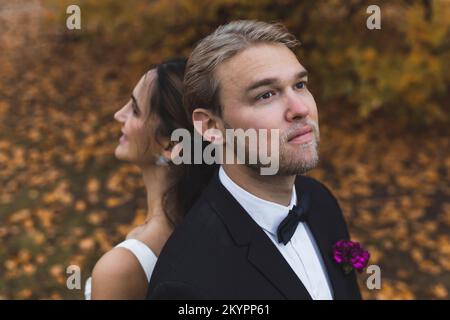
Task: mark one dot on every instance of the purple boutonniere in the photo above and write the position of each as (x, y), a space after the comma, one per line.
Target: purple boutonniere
(350, 255)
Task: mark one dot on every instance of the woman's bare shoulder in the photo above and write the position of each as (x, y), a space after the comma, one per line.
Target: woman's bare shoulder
(118, 275)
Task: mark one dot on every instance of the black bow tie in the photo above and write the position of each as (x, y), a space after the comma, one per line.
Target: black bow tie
(297, 214)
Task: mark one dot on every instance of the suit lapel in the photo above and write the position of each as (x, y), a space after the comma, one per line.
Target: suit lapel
(262, 253)
(325, 247)
(325, 234)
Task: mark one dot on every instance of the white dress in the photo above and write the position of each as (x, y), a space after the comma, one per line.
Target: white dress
(143, 253)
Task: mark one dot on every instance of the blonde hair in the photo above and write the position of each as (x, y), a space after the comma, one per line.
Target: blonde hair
(201, 88)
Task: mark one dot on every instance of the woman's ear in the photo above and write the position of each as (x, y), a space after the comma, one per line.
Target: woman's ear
(172, 150)
(207, 124)
(166, 154)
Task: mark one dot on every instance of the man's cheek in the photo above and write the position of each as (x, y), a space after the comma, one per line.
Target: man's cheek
(313, 109)
(258, 120)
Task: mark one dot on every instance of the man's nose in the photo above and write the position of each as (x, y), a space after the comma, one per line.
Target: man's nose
(297, 108)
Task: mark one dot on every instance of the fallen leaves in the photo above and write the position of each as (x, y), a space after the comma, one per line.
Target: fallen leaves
(86, 245)
(46, 218)
(395, 291)
(439, 291)
(96, 218)
(80, 206)
(59, 194)
(93, 185)
(402, 211)
(65, 200)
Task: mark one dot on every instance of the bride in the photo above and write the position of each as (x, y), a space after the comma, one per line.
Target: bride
(148, 119)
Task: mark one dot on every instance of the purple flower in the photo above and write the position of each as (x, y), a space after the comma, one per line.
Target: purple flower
(350, 255)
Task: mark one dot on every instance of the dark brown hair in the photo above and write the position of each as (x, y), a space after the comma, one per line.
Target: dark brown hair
(187, 180)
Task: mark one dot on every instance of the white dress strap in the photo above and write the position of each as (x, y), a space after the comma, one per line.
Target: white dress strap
(142, 252)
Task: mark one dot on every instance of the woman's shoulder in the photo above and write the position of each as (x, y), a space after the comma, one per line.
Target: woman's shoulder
(125, 270)
(116, 261)
(118, 275)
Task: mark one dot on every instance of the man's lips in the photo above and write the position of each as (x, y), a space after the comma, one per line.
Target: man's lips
(302, 135)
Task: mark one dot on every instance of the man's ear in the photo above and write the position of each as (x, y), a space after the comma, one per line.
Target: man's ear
(208, 125)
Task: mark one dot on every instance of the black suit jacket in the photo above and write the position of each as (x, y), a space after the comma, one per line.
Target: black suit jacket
(219, 252)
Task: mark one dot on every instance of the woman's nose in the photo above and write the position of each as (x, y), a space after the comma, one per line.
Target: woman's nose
(119, 115)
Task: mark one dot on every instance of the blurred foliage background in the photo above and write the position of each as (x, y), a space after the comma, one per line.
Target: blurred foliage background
(383, 98)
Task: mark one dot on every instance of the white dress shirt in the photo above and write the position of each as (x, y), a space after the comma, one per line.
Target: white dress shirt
(300, 252)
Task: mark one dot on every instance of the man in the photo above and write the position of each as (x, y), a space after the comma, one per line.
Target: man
(244, 239)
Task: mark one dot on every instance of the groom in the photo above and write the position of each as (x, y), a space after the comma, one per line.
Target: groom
(253, 236)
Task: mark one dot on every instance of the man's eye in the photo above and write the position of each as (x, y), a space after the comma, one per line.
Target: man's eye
(301, 85)
(265, 96)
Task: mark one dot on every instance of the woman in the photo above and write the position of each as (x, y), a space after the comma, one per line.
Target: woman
(148, 119)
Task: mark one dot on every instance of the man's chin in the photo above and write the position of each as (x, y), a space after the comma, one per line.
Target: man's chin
(299, 163)
(297, 168)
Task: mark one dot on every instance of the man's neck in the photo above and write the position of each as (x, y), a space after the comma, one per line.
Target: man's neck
(274, 188)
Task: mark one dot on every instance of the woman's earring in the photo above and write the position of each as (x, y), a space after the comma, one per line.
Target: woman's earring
(162, 161)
